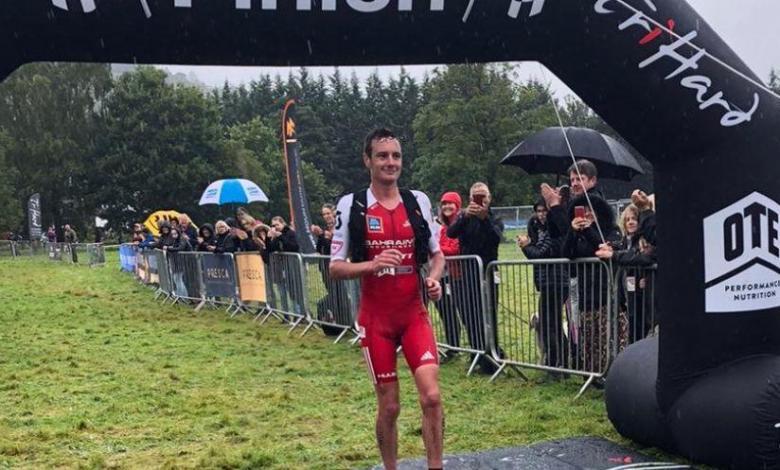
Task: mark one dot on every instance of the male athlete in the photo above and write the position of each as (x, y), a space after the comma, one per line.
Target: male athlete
(386, 234)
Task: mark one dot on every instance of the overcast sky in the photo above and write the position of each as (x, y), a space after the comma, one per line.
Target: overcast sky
(750, 27)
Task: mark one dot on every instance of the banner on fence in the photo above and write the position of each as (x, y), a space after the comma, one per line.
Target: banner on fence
(251, 278)
(219, 275)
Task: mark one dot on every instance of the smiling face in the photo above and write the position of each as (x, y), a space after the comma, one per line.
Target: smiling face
(385, 161)
(448, 209)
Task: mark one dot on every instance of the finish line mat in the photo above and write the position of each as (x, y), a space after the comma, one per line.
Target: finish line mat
(581, 453)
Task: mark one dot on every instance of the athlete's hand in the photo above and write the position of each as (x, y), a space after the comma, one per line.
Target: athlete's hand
(386, 259)
(434, 289)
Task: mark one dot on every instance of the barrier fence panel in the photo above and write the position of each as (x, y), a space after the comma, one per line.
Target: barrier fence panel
(6, 249)
(38, 248)
(554, 315)
(96, 254)
(142, 269)
(165, 287)
(22, 248)
(635, 298)
(332, 304)
(252, 282)
(55, 251)
(287, 293)
(218, 272)
(458, 317)
(187, 281)
(127, 256)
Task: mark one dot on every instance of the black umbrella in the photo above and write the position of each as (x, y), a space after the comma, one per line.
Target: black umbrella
(547, 152)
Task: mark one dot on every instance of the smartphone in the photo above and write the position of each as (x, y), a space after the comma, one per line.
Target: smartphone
(479, 199)
(579, 212)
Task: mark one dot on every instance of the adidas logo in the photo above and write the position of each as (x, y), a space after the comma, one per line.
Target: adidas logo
(427, 356)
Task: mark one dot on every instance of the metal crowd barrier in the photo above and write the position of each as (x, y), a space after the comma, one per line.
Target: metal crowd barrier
(287, 293)
(6, 249)
(96, 254)
(635, 298)
(331, 305)
(186, 278)
(458, 317)
(554, 315)
(218, 277)
(142, 272)
(165, 285)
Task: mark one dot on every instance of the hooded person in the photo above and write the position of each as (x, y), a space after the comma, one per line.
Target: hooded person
(452, 296)
(207, 240)
(165, 239)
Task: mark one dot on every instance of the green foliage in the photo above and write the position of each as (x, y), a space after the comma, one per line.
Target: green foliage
(473, 115)
(163, 145)
(52, 113)
(256, 148)
(11, 212)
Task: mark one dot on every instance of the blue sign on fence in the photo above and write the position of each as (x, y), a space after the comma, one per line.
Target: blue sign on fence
(219, 275)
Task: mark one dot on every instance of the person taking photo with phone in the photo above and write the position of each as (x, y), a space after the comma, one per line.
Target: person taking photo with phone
(479, 233)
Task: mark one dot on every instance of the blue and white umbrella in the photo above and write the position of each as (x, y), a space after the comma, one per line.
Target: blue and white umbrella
(232, 191)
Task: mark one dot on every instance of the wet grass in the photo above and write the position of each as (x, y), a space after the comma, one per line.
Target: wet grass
(95, 374)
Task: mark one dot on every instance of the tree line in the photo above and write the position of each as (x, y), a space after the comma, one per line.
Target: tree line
(120, 147)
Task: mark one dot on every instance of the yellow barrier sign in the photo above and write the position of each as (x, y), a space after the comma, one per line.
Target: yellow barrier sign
(251, 277)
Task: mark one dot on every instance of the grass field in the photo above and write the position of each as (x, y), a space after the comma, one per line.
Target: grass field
(95, 374)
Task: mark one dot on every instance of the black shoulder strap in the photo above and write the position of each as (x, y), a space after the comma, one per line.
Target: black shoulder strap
(422, 232)
(357, 226)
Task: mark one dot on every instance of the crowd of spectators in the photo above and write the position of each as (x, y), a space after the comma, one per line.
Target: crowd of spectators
(573, 221)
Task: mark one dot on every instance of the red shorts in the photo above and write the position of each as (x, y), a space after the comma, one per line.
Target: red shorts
(380, 342)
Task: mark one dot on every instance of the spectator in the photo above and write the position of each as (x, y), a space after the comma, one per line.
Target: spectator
(51, 234)
(479, 233)
(225, 242)
(591, 292)
(281, 237)
(538, 221)
(449, 305)
(583, 178)
(244, 234)
(260, 238)
(636, 255)
(552, 282)
(70, 235)
(187, 229)
(138, 235)
(206, 239)
(148, 241)
(325, 234)
(335, 302)
(180, 243)
(165, 239)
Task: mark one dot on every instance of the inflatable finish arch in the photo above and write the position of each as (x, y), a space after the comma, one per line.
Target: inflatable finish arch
(711, 134)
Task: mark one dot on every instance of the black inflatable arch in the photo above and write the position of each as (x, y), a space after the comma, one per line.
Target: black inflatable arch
(712, 135)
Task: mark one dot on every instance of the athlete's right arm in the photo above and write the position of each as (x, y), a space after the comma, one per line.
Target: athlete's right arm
(339, 249)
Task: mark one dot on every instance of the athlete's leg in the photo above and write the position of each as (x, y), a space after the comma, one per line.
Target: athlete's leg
(419, 346)
(426, 377)
(380, 356)
(386, 419)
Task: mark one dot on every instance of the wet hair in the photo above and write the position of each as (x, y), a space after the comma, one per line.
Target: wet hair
(586, 168)
(278, 218)
(329, 206)
(381, 133)
(540, 203)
